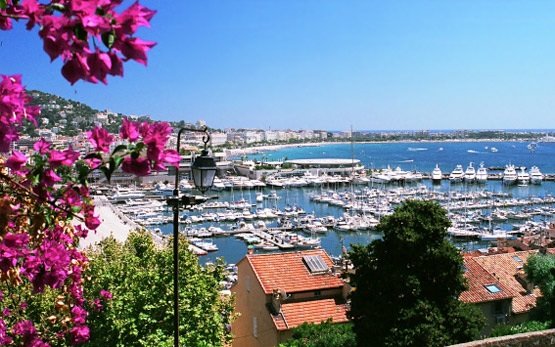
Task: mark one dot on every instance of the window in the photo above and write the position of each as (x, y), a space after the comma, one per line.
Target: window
(254, 327)
(317, 293)
(517, 258)
(492, 288)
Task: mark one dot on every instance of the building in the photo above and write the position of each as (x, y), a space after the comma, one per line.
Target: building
(279, 291)
(498, 285)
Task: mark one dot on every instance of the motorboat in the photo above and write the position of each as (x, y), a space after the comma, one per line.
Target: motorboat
(522, 177)
(457, 174)
(509, 175)
(470, 173)
(437, 175)
(482, 174)
(536, 177)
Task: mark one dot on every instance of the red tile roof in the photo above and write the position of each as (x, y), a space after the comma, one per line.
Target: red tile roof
(504, 267)
(287, 271)
(478, 278)
(316, 311)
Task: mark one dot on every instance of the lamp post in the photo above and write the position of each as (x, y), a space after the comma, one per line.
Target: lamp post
(203, 171)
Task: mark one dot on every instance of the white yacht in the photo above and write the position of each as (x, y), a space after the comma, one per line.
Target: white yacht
(470, 174)
(522, 177)
(437, 175)
(509, 175)
(482, 174)
(457, 175)
(536, 177)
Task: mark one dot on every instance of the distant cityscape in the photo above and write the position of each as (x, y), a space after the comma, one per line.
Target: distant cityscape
(63, 121)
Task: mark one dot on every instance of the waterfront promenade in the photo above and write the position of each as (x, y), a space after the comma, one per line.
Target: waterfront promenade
(113, 223)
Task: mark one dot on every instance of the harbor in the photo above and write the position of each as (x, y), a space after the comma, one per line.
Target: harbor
(304, 207)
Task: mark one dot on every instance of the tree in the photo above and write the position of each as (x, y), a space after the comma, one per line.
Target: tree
(540, 270)
(43, 191)
(138, 274)
(325, 334)
(406, 285)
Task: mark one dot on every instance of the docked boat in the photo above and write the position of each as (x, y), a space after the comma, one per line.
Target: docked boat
(470, 174)
(482, 174)
(522, 177)
(536, 177)
(509, 175)
(437, 175)
(457, 174)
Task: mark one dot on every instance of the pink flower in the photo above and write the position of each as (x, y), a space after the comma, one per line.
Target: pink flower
(129, 130)
(138, 166)
(50, 177)
(77, 68)
(16, 161)
(42, 146)
(25, 327)
(134, 17)
(135, 49)
(80, 334)
(106, 294)
(100, 138)
(79, 315)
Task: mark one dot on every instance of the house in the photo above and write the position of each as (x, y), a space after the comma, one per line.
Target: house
(485, 291)
(498, 285)
(277, 292)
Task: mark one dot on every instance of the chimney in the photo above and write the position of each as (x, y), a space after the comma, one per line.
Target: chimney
(276, 300)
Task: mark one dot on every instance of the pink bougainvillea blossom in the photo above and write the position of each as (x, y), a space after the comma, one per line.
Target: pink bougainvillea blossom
(129, 130)
(100, 139)
(16, 161)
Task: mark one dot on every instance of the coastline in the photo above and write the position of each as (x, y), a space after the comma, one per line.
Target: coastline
(256, 149)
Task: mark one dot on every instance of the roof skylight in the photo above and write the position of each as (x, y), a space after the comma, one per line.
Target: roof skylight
(492, 288)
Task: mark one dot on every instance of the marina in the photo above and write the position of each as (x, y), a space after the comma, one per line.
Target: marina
(299, 210)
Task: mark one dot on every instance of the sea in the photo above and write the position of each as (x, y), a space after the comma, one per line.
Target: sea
(409, 156)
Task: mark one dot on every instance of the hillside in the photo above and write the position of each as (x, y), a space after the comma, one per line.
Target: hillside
(68, 117)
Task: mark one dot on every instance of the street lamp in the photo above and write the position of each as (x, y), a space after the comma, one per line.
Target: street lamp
(203, 171)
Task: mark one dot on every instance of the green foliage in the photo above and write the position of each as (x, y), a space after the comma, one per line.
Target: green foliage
(540, 270)
(502, 330)
(325, 334)
(407, 284)
(139, 275)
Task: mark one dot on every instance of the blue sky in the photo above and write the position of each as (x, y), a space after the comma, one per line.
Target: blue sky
(323, 64)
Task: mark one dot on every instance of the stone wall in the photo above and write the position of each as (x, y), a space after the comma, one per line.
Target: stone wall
(536, 338)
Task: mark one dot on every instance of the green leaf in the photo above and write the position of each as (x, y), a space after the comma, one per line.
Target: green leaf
(108, 39)
(119, 148)
(3, 4)
(107, 173)
(80, 32)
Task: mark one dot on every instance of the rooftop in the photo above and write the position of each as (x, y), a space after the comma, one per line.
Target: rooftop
(287, 271)
(504, 267)
(315, 311)
(479, 280)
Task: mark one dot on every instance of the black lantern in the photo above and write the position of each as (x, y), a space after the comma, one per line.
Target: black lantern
(203, 171)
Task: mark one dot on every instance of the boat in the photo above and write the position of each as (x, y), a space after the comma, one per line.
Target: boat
(437, 175)
(509, 175)
(482, 174)
(457, 174)
(532, 146)
(470, 173)
(536, 177)
(494, 150)
(522, 177)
